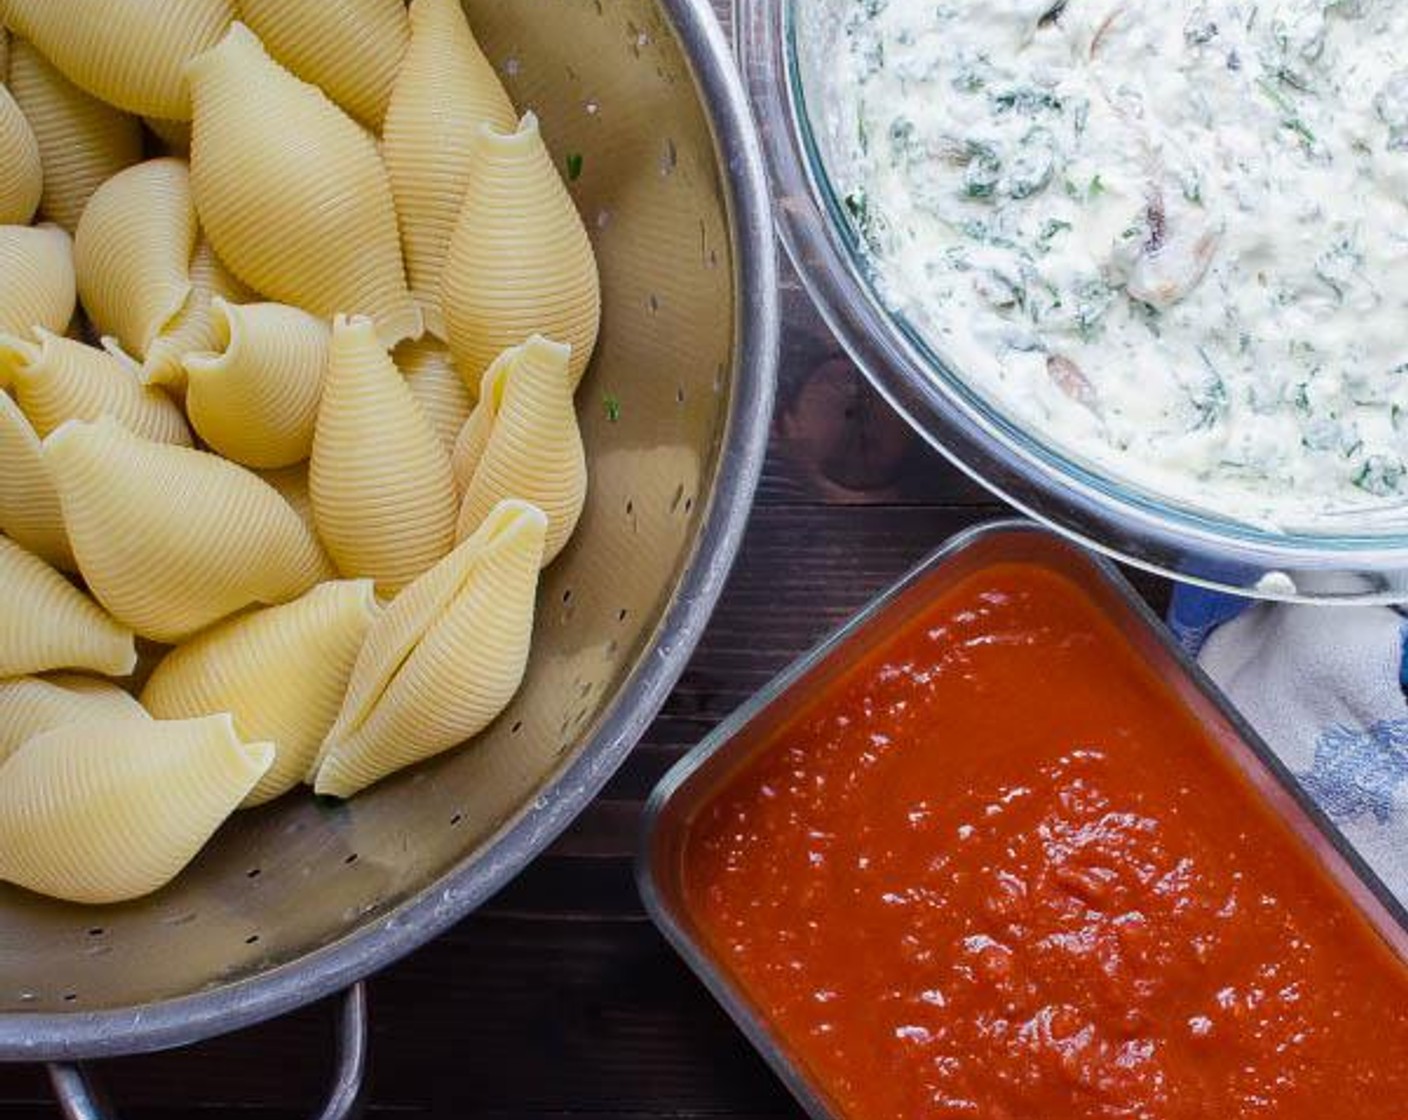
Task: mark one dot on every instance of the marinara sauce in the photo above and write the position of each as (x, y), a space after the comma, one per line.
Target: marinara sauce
(999, 871)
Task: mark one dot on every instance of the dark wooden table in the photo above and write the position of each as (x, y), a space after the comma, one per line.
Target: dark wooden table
(559, 1000)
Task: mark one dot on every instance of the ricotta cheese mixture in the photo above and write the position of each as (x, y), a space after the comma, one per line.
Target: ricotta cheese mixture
(1168, 238)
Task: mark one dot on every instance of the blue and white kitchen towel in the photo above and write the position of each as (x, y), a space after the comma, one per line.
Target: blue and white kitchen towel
(1325, 687)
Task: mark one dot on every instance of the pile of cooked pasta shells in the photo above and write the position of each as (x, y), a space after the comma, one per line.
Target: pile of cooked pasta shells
(293, 305)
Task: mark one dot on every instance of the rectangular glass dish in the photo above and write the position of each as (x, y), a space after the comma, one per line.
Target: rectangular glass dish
(680, 811)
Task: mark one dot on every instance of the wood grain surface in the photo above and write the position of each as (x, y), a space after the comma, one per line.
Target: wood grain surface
(559, 1000)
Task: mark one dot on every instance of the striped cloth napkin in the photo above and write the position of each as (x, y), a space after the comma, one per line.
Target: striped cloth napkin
(1327, 688)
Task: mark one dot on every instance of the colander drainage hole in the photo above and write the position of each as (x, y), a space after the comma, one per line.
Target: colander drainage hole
(351, 859)
(252, 939)
(567, 596)
(69, 997)
(516, 728)
(456, 819)
(96, 931)
(254, 873)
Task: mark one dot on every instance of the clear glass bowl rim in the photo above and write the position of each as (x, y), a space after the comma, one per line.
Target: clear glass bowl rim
(1037, 479)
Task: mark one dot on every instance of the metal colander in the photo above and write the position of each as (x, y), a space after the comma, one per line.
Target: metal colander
(300, 899)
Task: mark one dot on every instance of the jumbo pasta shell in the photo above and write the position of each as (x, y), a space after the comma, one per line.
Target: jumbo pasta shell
(58, 379)
(110, 810)
(528, 444)
(351, 49)
(30, 706)
(21, 171)
(47, 623)
(519, 261)
(171, 539)
(194, 328)
(291, 191)
(132, 252)
(292, 485)
(37, 286)
(256, 400)
(473, 435)
(129, 53)
(175, 136)
(30, 513)
(281, 672)
(445, 658)
(444, 91)
(437, 387)
(383, 494)
(83, 142)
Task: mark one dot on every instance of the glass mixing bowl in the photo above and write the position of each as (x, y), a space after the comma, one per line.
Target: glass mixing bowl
(1360, 557)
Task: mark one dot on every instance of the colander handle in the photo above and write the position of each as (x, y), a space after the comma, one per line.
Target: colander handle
(81, 1098)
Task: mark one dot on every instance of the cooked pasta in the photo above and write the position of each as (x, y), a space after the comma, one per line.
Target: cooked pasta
(281, 672)
(351, 49)
(444, 90)
(444, 659)
(21, 170)
(383, 494)
(175, 136)
(194, 328)
(291, 191)
(110, 810)
(525, 444)
(436, 385)
(57, 379)
(37, 286)
(47, 623)
(256, 400)
(83, 142)
(292, 485)
(29, 505)
(473, 436)
(130, 53)
(29, 706)
(519, 261)
(132, 252)
(326, 443)
(170, 539)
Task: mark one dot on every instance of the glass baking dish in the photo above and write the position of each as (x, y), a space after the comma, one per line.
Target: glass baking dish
(708, 769)
(1365, 559)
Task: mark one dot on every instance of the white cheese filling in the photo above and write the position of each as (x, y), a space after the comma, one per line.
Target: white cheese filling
(1170, 238)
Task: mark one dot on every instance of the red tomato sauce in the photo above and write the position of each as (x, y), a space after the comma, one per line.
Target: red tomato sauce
(1000, 872)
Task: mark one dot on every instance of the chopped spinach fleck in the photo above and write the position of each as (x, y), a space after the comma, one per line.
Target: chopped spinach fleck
(1381, 475)
(1049, 230)
(1200, 31)
(1026, 100)
(980, 177)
